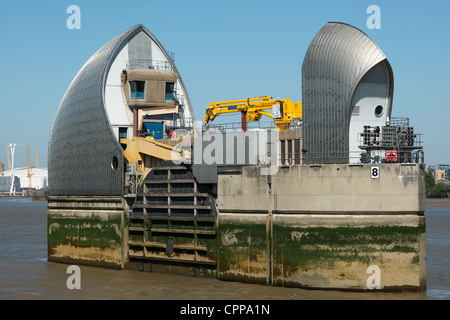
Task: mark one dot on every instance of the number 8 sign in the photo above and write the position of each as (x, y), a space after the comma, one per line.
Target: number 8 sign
(375, 172)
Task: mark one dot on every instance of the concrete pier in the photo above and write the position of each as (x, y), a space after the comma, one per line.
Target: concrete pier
(326, 188)
(346, 231)
(311, 226)
(324, 251)
(87, 230)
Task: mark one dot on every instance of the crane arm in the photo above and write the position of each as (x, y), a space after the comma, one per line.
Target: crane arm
(253, 109)
(232, 106)
(214, 110)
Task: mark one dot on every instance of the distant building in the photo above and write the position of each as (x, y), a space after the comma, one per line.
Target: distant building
(5, 183)
(440, 171)
(439, 174)
(37, 181)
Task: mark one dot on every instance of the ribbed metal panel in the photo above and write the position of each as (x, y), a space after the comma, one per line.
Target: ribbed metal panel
(335, 62)
(139, 47)
(187, 112)
(82, 144)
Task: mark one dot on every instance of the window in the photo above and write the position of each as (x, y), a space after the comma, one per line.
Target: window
(137, 89)
(170, 86)
(379, 111)
(123, 133)
(114, 163)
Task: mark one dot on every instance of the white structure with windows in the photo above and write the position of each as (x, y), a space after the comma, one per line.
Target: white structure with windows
(38, 178)
(142, 51)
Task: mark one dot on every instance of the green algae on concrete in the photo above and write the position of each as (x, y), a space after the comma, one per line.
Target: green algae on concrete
(342, 255)
(83, 232)
(85, 240)
(242, 252)
(322, 257)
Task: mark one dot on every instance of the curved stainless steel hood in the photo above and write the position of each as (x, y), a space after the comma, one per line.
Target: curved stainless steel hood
(336, 61)
(85, 157)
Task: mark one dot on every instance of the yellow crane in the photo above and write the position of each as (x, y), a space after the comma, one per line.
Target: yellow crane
(284, 111)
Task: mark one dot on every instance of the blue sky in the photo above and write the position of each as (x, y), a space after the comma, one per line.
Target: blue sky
(224, 50)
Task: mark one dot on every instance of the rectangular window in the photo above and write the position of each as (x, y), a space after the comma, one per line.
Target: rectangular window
(123, 133)
(137, 89)
(170, 86)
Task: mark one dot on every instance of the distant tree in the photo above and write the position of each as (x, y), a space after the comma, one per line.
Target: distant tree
(429, 185)
(435, 190)
(440, 190)
(429, 180)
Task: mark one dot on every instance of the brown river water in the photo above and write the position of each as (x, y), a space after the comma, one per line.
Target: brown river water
(25, 273)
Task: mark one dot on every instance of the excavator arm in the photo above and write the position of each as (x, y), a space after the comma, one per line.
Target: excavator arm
(139, 148)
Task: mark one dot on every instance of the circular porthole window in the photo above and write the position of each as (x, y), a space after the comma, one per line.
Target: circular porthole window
(379, 111)
(114, 163)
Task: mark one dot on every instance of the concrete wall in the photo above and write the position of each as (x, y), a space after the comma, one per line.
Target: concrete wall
(345, 252)
(87, 231)
(328, 188)
(330, 227)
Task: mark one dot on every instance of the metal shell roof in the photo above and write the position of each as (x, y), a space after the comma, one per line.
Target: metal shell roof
(335, 62)
(82, 143)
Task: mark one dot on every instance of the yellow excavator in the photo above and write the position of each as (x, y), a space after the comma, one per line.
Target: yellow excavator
(284, 111)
